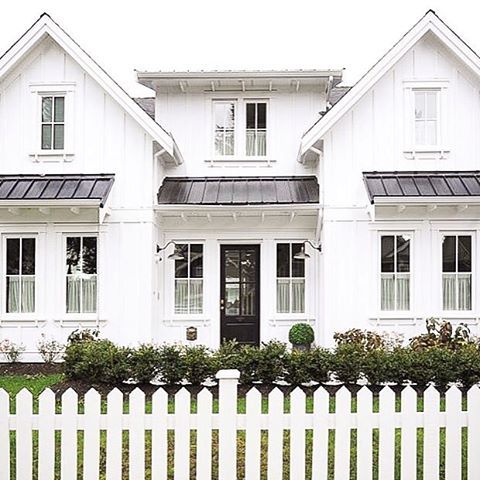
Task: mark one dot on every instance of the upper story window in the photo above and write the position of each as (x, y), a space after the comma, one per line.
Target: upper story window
(256, 129)
(395, 272)
(457, 272)
(240, 128)
(426, 116)
(53, 123)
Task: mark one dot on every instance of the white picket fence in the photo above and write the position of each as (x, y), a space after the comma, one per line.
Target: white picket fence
(39, 458)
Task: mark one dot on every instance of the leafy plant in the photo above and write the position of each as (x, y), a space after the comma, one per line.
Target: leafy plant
(83, 335)
(144, 362)
(199, 364)
(301, 334)
(441, 334)
(12, 351)
(171, 368)
(50, 349)
(368, 340)
(271, 361)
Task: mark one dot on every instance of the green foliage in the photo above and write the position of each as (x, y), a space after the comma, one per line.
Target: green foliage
(98, 361)
(301, 334)
(368, 340)
(144, 363)
(442, 334)
(171, 367)
(199, 364)
(347, 363)
(271, 362)
(83, 335)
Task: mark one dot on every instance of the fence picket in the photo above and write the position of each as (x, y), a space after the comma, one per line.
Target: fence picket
(343, 408)
(252, 434)
(204, 434)
(136, 450)
(321, 400)
(182, 435)
(46, 435)
(114, 434)
(473, 422)
(69, 435)
(159, 434)
(431, 433)
(386, 451)
(453, 454)
(4, 435)
(364, 434)
(297, 434)
(91, 438)
(408, 447)
(227, 431)
(23, 413)
(275, 435)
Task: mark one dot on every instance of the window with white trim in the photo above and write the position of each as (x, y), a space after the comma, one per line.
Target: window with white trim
(224, 118)
(20, 275)
(426, 116)
(53, 122)
(256, 129)
(290, 279)
(457, 272)
(81, 274)
(189, 279)
(395, 251)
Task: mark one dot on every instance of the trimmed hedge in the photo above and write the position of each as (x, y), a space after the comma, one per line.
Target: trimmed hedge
(440, 356)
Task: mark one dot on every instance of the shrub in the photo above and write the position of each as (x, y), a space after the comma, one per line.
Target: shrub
(301, 334)
(320, 362)
(199, 364)
(171, 368)
(271, 361)
(376, 366)
(98, 361)
(368, 340)
(144, 363)
(228, 355)
(12, 351)
(347, 362)
(467, 359)
(83, 335)
(298, 369)
(50, 349)
(442, 334)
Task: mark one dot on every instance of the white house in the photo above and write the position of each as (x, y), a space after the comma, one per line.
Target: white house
(237, 203)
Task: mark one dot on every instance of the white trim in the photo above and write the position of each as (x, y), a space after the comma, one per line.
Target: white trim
(430, 22)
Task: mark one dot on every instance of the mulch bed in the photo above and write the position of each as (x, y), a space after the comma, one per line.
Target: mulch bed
(30, 369)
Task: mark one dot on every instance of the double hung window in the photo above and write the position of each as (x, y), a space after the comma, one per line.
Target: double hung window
(53, 122)
(290, 279)
(189, 279)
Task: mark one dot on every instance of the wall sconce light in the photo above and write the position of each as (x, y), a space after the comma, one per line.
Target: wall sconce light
(302, 254)
(175, 255)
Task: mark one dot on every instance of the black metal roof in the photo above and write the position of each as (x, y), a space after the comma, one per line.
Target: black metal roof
(422, 184)
(238, 190)
(56, 187)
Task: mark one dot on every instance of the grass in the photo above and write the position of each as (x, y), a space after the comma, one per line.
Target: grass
(36, 384)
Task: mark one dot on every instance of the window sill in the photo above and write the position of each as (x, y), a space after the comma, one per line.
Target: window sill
(426, 153)
(19, 320)
(79, 320)
(51, 156)
(291, 318)
(240, 160)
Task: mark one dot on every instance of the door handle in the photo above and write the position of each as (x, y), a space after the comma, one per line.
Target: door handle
(222, 302)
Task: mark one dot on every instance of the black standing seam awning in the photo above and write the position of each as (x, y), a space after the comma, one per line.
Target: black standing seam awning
(56, 187)
(422, 184)
(238, 190)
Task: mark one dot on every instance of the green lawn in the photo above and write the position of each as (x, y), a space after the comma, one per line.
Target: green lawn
(13, 384)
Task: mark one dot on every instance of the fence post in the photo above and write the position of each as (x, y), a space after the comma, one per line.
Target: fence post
(227, 428)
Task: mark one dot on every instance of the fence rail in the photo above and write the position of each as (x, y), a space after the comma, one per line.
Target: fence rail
(409, 437)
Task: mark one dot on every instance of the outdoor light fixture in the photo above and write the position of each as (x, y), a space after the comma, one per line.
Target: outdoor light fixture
(176, 255)
(302, 255)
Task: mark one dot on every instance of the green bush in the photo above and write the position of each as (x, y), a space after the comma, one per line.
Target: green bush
(271, 361)
(171, 368)
(199, 364)
(145, 362)
(301, 334)
(376, 366)
(98, 361)
(347, 363)
(467, 359)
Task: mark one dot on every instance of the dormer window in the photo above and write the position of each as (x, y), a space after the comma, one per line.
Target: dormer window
(426, 116)
(240, 129)
(53, 122)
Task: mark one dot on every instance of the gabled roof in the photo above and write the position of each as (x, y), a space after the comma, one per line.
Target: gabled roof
(430, 22)
(238, 190)
(46, 26)
(422, 184)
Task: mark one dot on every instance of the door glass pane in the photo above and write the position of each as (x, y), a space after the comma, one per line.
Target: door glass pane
(232, 266)
(196, 260)
(448, 253)
(13, 256)
(298, 265)
(465, 253)
(46, 109)
(28, 256)
(403, 253)
(387, 253)
(59, 111)
(248, 299)
(89, 252)
(248, 266)
(283, 260)
(232, 299)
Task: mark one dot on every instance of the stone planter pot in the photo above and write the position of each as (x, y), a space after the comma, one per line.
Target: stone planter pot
(301, 347)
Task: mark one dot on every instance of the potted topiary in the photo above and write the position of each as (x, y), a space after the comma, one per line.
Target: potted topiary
(301, 336)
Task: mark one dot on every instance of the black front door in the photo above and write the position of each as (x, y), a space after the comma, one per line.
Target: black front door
(240, 293)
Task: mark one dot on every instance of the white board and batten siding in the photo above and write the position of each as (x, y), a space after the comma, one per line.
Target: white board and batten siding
(250, 444)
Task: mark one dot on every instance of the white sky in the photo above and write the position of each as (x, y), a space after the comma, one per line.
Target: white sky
(242, 34)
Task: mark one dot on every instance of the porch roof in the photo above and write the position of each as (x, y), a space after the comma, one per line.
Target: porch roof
(238, 190)
(53, 187)
(420, 184)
